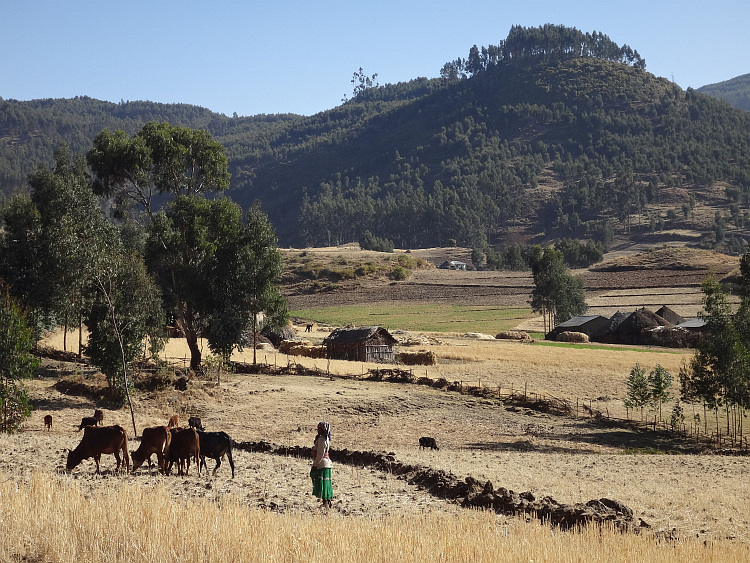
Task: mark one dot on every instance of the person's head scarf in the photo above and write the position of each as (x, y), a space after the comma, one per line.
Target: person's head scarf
(324, 429)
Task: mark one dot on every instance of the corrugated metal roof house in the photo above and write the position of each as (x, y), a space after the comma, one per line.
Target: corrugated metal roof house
(587, 324)
(360, 344)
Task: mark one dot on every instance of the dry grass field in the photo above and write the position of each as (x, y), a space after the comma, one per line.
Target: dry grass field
(692, 500)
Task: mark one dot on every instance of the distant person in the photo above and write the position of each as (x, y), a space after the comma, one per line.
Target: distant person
(320, 473)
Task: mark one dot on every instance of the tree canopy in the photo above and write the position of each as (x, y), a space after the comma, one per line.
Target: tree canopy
(557, 295)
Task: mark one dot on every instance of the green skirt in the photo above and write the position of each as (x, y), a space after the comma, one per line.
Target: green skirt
(322, 485)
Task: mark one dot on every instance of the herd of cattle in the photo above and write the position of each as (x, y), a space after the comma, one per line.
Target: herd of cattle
(171, 444)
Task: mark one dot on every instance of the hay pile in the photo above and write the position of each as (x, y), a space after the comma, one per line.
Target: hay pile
(308, 351)
(286, 345)
(478, 336)
(513, 335)
(419, 358)
(573, 337)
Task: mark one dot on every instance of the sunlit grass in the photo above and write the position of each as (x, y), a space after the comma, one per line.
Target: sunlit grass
(51, 519)
(422, 317)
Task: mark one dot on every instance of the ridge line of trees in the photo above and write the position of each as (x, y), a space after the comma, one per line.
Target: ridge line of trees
(547, 42)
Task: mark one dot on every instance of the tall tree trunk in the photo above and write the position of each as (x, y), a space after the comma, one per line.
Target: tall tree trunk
(255, 338)
(80, 335)
(195, 352)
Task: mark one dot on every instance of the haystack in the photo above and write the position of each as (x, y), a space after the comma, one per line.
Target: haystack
(419, 358)
(668, 314)
(513, 335)
(572, 337)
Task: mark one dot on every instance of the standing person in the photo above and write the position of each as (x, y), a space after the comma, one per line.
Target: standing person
(320, 473)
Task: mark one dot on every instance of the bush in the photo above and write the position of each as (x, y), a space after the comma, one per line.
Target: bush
(16, 363)
(399, 273)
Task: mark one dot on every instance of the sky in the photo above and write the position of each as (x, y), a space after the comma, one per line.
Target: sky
(252, 57)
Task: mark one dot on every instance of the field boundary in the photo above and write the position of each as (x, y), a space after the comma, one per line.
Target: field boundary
(471, 493)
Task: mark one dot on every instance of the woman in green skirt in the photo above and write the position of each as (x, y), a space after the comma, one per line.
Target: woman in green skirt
(320, 473)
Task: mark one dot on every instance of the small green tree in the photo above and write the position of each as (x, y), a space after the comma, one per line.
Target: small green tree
(659, 383)
(639, 394)
(126, 309)
(678, 416)
(16, 363)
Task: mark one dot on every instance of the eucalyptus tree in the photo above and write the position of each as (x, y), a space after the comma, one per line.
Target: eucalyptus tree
(49, 240)
(227, 268)
(173, 162)
(557, 295)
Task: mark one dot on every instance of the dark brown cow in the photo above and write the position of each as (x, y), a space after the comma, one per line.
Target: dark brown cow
(427, 442)
(48, 422)
(174, 421)
(185, 445)
(216, 445)
(98, 440)
(87, 421)
(99, 417)
(155, 440)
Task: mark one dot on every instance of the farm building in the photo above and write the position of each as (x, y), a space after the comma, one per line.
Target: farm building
(634, 329)
(587, 324)
(453, 265)
(669, 315)
(361, 344)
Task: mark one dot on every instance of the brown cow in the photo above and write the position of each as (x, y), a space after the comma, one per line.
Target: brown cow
(98, 440)
(155, 440)
(48, 422)
(185, 445)
(174, 421)
(99, 416)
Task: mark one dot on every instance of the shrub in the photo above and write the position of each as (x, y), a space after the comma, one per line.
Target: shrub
(399, 273)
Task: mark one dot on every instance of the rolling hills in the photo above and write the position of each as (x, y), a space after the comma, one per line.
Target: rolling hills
(527, 142)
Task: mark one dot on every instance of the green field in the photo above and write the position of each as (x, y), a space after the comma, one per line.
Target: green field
(420, 317)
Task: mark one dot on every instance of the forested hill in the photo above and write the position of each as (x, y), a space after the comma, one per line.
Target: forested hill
(735, 91)
(552, 130)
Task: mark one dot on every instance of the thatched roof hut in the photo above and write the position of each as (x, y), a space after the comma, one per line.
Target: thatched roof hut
(668, 314)
(360, 344)
(609, 327)
(634, 328)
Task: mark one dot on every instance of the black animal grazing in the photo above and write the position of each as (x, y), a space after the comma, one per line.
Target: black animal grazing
(308, 328)
(426, 442)
(195, 422)
(87, 421)
(215, 445)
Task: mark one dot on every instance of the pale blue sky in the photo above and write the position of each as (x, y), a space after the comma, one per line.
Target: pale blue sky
(276, 57)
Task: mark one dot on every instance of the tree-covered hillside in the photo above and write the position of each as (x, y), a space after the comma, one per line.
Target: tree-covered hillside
(561, 131)
(735, 91)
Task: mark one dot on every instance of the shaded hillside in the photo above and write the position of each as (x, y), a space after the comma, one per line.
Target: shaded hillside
(552, 131)
(736, 91)
(31, 131)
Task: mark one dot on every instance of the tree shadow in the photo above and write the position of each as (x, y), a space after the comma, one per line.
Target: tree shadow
(592, 434)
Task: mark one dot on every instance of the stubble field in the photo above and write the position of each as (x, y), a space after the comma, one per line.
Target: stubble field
(690, 497)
